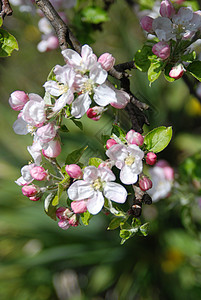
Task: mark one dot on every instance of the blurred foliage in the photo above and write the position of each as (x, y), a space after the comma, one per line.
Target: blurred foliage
(40, 260)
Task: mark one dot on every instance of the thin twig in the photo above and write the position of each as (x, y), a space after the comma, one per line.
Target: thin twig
(64, 34)
(6, 9)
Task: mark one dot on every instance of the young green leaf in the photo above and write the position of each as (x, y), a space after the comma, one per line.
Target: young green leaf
(8, 43)
(115, 223)
(56, 199)
(141, 59)
(94, 15)
(78, 124)
(74, 156)
(144, 229)
(155, 70)
(86, 216)
(168, 67)
(157, 139)
(195, 69)
(95, 161)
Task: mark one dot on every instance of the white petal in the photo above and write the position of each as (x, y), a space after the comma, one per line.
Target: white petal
(66, 98)
(104, 95)
(117, 153)
(80, 105)
(35, 97)
(53, 88)
(72, 57)
(20, 127)
(98, 74)
(86, 51)
(90, 174)
(115, 192)
(80, 190)
(127, 176)
(106, 174)
(136, 151)
(95, 203)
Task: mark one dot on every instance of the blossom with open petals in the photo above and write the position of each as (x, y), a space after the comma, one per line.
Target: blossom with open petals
(97, 183)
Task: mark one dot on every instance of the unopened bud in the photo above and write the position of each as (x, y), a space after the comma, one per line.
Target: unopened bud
(134, 137)
(52, 43)
(34, 198)
(145, 183)
(110, 143)
(107, 61)
(162, 50)
(18, 99)
(79, 207)
(63, 224)
(53, 149)
(73, 221)
(74, 171)
(166, 9)
(63, 213)
(146, 24)
(151, 158)
(38, 173)
(95, 112)
(177, 71)
(30, 190)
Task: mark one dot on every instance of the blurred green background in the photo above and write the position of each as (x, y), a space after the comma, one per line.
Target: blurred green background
(39, 260)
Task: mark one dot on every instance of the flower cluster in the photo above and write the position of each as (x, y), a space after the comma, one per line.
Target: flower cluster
(176, 31)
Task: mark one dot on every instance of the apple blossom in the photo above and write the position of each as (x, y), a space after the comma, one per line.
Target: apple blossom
(177, 71)
(30, 190)
(26, 177)
(146, 24)
(134, 137)
(79, 207)
(39, 173)
(128, 159)
(97, 183)
(95, 112)
(107, 61)
(53, 149)
(110, 143)
(145, 183)
(74, 171)
(18, 99)
(47, 132)
(162, 50)
(151, 158)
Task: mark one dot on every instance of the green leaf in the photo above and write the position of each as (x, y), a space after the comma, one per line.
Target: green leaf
(195, 69)
(1, 21)
(127, 234)
(144, 229)
(167, 71)
(190, 57)
(155, 70)
(115, 223)
(136, 222)
(64, 128)
(94, 15)
(51, 75)
(49, 209)
(157, 139)
(74, 156)
(8, 43)
(78, 124)
(95, 161)
(56, 199)
(86, 216)
(141, 59)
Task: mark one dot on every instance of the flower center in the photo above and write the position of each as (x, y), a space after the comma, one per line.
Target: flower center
(97, 184)
(63, 88)
(129, 160)
(88, 87)
(31, 129)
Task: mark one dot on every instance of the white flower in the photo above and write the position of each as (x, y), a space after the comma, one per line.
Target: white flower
(97, 183)
(63, 87)
(83, 62)
(128, 159)
(26, 177)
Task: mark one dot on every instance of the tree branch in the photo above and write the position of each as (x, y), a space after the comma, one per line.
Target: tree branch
(64, 34)
(6, 9)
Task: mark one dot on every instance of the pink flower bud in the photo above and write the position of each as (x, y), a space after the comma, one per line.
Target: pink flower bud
(162, 50)
(74, 171)
(30, 190)
(177, 71)
(73, 221)
(122, 99)
(38, 173)
(18, 99)
(107, 61)
(34, 198)
(63, 224)
(134, 137)
(145, 183)
(146, 24)
(166, 9)
(79, 207)
(53, 150)
(95, 113)
(52, 43)
(110, 143)
(151, 158)
(47, 132)
(63, 213)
